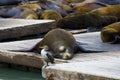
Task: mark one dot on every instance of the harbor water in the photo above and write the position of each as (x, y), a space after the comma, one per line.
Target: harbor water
(12, 74)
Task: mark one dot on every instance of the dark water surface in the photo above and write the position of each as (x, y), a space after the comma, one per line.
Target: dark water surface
(11, 74)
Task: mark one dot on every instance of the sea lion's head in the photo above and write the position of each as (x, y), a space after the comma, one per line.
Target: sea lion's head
(108, 34)
(65, 53)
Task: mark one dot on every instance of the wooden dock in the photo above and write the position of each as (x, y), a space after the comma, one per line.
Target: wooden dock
(16, 28)
(89, 66)
(29, 59)
(83, 66)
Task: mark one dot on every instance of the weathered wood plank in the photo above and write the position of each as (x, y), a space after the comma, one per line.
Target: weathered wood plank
(15, 28)
(19, 45)
(88, 70)
(26, 59)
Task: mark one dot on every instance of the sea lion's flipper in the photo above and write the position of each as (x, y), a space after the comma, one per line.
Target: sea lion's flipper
(117, 40)
(78, 48)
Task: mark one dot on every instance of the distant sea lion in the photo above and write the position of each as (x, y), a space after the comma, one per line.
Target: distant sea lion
(112, 10)
(82, 8)
(87, 2)
(26, 14)
(21, 11)
(51, 14)
(32, 6)
(49, 5)
(9, 12)
(61, 43)
(111, 33)
(63, 4)
(84, 21)
(66, 7)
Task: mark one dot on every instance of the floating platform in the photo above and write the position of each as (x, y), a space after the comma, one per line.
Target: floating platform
(16, 28)
(88, 66)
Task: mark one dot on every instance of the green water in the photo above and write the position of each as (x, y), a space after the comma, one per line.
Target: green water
(11, 74)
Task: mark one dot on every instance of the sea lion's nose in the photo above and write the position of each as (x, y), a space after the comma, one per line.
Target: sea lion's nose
(67, 56)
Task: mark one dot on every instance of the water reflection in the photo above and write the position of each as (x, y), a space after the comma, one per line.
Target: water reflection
(11, 74)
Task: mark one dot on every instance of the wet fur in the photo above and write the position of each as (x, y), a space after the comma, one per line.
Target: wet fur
(51, 15)
(110, 32)
(112, 10)
(87, 7)
(85, 20)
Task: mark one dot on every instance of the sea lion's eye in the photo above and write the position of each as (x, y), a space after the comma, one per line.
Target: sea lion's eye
(62, 49)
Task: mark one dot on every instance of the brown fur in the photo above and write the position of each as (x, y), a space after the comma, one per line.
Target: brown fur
(109, 32)
(85, 20)
(31, 6)
(55, 39)
(51, 14)
(27, 14)
(86, 7)
(68, 1)
(113, 10)
(65, 7)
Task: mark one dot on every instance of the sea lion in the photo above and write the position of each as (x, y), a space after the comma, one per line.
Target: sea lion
(32, 6)
(9, 12)
(51, 14)
(84, 21)
(19, 13)
(87, 7)
(26, 14)
(111, 33)
(63, 4)
(66, 7)
(49, 5)
(112, 10)
(61, 44)
(88, 1)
